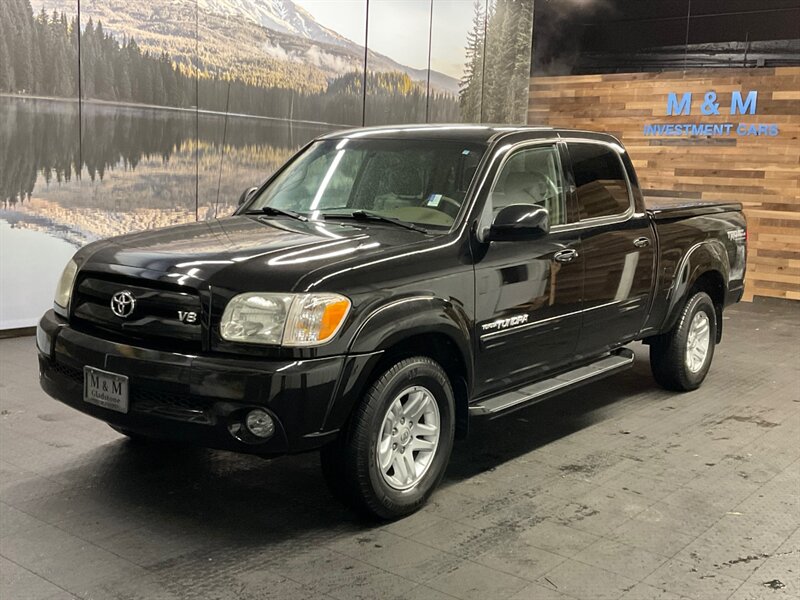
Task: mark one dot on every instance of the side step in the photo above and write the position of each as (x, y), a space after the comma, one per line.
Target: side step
(618, 360)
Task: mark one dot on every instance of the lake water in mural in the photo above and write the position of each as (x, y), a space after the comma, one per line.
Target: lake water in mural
(131, 168)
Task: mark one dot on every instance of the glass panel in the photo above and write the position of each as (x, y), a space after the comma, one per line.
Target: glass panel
(41, 218)
(532, 176)
(507, 62)
(740, 33)
(397, 62)
(138, 118)
(457, 36)
(273, 75)
(601, 186)
(619, 36)
(609, 37)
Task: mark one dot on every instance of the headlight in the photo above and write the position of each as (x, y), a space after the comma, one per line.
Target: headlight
(287, 319)
(64, 288)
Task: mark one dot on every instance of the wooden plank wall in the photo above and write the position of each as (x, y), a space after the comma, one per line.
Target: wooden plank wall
(761, 172)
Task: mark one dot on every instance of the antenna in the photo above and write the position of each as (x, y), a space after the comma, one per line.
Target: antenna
(222, 148)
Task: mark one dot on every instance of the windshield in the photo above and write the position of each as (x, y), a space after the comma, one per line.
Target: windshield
(417, 181)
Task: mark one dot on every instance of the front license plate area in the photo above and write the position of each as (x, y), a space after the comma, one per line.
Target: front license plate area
(108, 390)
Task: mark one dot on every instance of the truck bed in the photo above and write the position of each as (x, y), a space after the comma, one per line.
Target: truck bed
(665, 207)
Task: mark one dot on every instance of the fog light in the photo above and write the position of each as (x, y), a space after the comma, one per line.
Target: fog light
(259, 423)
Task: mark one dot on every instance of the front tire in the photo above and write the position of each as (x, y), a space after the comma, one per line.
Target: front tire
(396, 448)
(680, 359)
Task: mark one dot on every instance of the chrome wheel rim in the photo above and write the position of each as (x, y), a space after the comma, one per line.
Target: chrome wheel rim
(698, 342)
(408, 438)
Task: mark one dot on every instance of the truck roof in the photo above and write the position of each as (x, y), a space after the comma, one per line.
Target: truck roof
(482, 133)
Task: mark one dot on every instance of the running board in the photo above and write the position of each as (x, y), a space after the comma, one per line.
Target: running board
(618, 360)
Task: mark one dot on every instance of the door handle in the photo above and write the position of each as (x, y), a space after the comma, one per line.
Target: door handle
(641, 242)
(565, 256)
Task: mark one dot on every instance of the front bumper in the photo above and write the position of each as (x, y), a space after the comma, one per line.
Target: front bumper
(195, 398)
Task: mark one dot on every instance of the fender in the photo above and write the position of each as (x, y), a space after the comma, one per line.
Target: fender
(402, 318)
(388, 325)
(704, 257)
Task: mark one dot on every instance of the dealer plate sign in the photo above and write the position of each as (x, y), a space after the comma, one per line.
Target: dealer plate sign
(108, 390)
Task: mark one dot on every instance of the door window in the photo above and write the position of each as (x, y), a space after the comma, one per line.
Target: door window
(532, 176)
(599, 180)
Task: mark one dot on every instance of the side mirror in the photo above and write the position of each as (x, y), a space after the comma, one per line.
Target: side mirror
(247, 194)
(520, 222)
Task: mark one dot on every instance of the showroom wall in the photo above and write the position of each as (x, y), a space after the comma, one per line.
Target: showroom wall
(704, 94)
(117, 115)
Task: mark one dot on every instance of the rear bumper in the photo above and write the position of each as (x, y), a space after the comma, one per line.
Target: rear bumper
(196, 399)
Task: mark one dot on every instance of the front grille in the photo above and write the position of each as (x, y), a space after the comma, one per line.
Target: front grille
(154, 320)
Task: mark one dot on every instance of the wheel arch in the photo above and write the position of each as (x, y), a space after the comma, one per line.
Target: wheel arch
(414, 326)
(704, 268)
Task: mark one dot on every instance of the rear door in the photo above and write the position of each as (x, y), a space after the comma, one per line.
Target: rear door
(528, 293)
(618, 248)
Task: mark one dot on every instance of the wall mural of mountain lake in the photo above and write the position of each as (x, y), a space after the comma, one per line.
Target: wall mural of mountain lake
(184, 103)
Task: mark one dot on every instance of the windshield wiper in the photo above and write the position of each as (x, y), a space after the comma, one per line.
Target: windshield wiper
(365, 215)
(278, 212)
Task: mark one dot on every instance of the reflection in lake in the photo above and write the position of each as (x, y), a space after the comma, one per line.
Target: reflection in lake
(132, 168)
(131, 159)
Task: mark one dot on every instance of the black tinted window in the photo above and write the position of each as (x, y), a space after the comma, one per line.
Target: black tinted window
(600, 181)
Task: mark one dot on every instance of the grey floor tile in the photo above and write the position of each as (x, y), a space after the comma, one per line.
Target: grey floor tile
(652, 537)
(642, 591)
(474, 581)
(558, 539)
(686, 580)
(517, 557)
(18, 582)
(13, 521)
(407, 558)
(535, 591)
(586, 582)
(621, 559)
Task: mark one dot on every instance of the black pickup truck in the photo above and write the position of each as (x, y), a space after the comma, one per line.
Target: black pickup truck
(385, 287)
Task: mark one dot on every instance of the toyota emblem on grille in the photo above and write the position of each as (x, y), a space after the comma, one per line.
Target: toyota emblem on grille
(123, 303)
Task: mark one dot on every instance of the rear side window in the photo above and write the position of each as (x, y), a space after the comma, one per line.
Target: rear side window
(601, 186)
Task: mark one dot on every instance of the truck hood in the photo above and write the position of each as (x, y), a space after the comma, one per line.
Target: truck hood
(270, 254)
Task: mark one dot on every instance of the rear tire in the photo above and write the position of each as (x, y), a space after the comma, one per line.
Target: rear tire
(396, 447)
(680, 359)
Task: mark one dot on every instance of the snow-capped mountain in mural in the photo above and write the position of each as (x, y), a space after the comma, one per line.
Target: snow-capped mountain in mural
(278, 15)
(268, 42)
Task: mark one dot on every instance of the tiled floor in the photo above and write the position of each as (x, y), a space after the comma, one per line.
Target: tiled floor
(618, 490)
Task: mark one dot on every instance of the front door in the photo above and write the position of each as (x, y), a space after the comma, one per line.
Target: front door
(528, 293)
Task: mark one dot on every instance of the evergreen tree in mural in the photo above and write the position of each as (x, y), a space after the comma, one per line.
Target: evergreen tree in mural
(37, 55)
(495, 84)
(471, 83)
